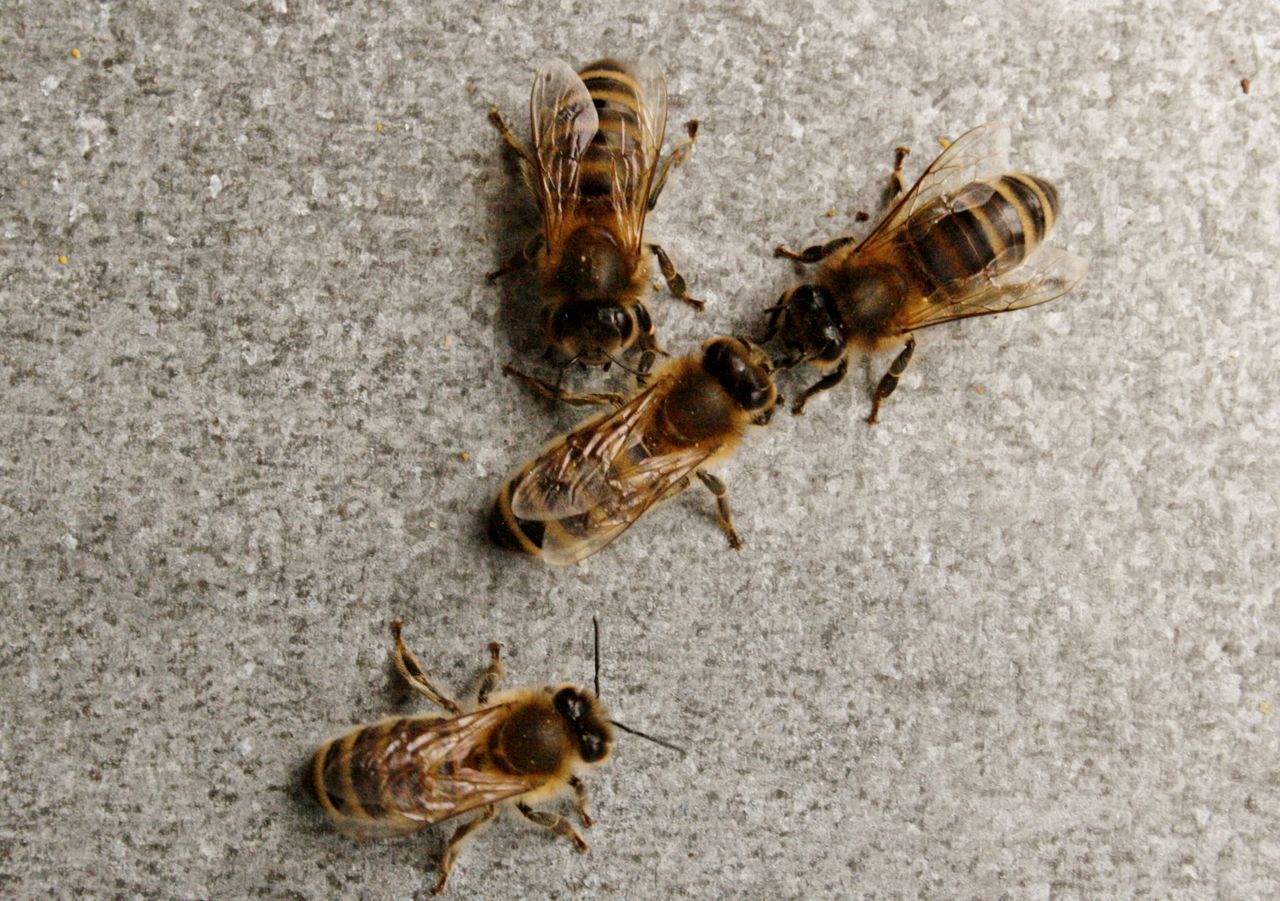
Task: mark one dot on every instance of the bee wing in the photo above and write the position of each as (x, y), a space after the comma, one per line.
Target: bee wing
(429, 776)
(635, 157)
(564, 123)
(355, 828)
(979, 154)
(631, 495)
(449, 783)
(571, 476)
(1047, 274)
(592, 485)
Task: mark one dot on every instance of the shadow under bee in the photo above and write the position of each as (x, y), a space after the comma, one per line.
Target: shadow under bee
(513, 219)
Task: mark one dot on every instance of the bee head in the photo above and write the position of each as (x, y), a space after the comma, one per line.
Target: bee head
(743, 369)
(591, 331)
(586, 722)
(810, 326)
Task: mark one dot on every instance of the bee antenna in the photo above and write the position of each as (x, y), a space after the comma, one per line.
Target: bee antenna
(620, 364)
(657, 741)
(595, 628)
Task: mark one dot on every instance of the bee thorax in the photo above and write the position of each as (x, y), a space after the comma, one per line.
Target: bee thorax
(532, 741)
(869, 297)
(592, 266)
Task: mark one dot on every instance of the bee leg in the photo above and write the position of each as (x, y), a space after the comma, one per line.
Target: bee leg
(521, 258)
(524, 157)
(897, 184)
(674, 159)
(775, 319)
(553, 821)
(815, 253)
(830, 380)
(492, 676)
(555, 392)
(723, 511)
(500, 123)
(675, 281)
(645, 367)
(408, 666)
(580, 789)
(460, 837)
(890, 379)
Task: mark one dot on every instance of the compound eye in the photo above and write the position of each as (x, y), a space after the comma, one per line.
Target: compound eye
(564, 323)
(720, 360)
(569, 704)
(755, 398)
(592, 747)
(615, 321)
(746, 383)
(807, 298)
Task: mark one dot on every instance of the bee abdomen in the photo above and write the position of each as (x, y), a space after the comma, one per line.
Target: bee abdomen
(508, 530)
(369, 774)
(994, 226)
(618, 101)
(528, 536)
(350, 774)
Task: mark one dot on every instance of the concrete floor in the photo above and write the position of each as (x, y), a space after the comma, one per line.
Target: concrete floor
(1019, 640)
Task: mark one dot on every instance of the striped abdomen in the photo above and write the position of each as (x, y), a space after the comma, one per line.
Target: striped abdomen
(369, 780)
(991, 227)
(510, 531)
(528, 536)
(617, 153)
(608, 507)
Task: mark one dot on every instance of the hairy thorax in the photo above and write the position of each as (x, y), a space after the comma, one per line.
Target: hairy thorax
(696, 410)
(592, 266)
(869, 299)
(532, 741)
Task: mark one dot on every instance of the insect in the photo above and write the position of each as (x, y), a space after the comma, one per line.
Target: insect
(595, 172)
(592, 484)
(966, 240)
(519, 746)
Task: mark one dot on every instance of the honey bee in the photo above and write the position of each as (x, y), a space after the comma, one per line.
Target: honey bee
(519, 746)
(966, 240)
(595, 173)
(591, 485)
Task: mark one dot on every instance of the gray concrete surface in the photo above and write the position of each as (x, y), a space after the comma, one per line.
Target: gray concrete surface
(1020, 640)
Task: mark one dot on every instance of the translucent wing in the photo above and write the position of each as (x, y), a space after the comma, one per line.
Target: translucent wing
(564, 123)
(980, 154)
(450, 782)
(1047, 274)
(635, 156)
(570, 476)
(592, 485)
(423, 773)
(576, 538)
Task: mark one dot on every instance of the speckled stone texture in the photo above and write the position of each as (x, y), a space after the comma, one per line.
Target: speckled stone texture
(1019, 640)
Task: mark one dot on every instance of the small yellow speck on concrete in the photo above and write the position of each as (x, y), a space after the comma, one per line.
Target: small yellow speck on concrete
(981, 389)
(831, 213)
(1266, 708)
(75, 52)
(62, 259)
(944, 142)
(466, 457)
(380, 128)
